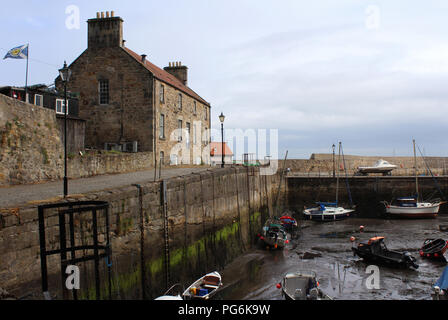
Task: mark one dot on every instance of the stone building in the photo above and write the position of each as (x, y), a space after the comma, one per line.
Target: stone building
(131, 103)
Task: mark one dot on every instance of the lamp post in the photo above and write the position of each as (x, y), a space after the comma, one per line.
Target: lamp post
(221, 118)
(65, 74)
(334, 169)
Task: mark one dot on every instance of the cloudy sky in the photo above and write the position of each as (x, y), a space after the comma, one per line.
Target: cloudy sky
(372, 74)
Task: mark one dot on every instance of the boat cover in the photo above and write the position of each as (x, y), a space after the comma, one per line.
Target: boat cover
(442, 283)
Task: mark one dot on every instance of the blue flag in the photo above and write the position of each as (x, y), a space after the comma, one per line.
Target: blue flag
(20, 52)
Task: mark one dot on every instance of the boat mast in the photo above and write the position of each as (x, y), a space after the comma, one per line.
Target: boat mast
(337, 173)
(415, 170)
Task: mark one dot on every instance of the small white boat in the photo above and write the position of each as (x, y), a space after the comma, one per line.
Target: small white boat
(410, 207)
(204, 288)
(178, 297)
(381, 166)
(327, 211)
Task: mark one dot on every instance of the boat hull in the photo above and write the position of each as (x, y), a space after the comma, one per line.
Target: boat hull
(423, 210)
(383, 260)
(333, 214)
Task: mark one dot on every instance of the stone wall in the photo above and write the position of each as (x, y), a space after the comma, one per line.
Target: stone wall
(212, 217)
(95, 163)
(323, 164)
(30, 145)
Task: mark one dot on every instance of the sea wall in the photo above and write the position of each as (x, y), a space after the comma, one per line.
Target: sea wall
(211, 218)
(322, 164)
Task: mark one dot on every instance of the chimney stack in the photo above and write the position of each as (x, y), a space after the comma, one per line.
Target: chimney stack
(178, 70)
(144, 58)
(105, 31)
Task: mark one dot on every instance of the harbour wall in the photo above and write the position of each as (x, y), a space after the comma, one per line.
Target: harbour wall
(367, 192)
(211, 218)
(322, 164)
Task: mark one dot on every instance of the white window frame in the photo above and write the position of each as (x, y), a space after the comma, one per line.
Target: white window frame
(195, 110)
(62, 110)
(179, 130)
(41, 100)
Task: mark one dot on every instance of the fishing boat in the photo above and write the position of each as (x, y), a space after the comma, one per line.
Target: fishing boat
(381, 166)
(441, 287)
(434, 249)
(204, 288)
(412, 207)
(273, 234)
(376, 252)
(330, 211)
(301, 285)
(327, 211)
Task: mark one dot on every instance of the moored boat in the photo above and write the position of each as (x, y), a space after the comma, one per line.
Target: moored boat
(273, 234)
(327, 211)
(410, 207)
(172, 293)
(376, 252)
(302, 285)
(434, 249)
(204, 288)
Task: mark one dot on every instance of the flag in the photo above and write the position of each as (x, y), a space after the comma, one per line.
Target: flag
(20, 52)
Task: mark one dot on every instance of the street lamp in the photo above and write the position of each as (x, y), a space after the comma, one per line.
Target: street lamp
(65, 74)
(221, 118)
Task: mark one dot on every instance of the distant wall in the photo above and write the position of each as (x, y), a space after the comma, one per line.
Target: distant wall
(323, 164)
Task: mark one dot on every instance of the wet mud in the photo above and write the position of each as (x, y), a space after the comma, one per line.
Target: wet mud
(326, 249)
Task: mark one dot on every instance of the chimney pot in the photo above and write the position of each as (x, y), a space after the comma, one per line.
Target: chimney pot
(112, 14)
(144, 58)
(102, 15)
(97, 15)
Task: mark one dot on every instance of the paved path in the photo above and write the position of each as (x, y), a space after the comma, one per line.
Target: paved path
(19, 195)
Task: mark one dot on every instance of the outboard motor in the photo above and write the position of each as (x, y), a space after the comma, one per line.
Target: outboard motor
(410, 260)
(314, 294)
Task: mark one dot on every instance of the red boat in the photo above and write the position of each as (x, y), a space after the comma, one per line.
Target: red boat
(288, 222)
(434, 249)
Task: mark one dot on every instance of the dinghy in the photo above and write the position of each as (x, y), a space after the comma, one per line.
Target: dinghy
(204, 288)
(301, 285)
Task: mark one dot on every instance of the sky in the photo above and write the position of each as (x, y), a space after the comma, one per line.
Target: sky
(372, 74)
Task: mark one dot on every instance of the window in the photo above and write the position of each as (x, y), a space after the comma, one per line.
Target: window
(38, 100)
(194, 134)
(162, 157)
(205, 114)
(162, 93)
(60, 106)
(188, 128)
(179, 131)
(179, 101)
(194, 108)
(162, 126)
(104, 91)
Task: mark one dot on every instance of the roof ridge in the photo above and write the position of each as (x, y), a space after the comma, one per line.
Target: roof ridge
(165, 76)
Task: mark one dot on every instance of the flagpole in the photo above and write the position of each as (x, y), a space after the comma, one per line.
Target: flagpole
(26, 77)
